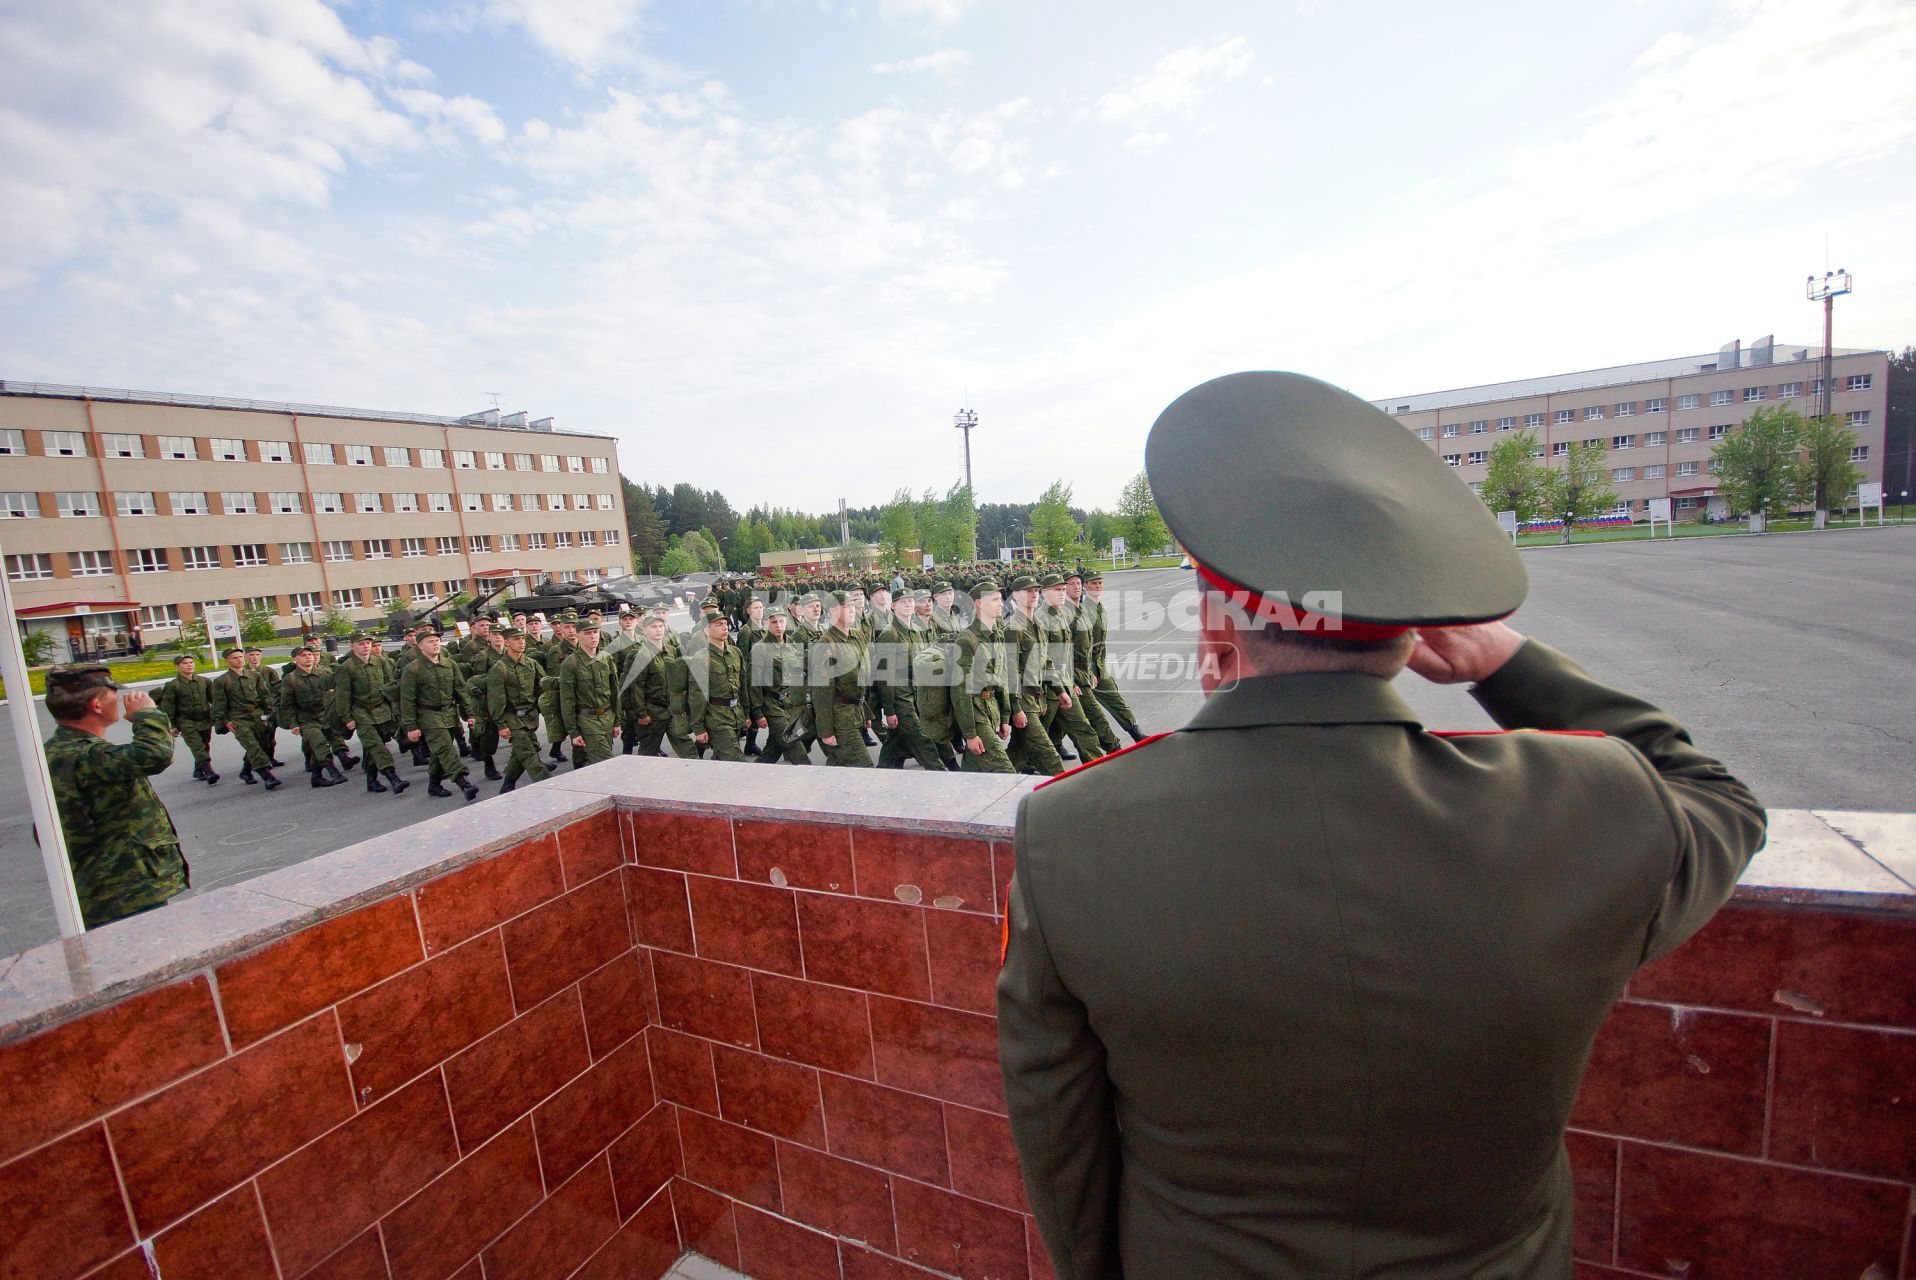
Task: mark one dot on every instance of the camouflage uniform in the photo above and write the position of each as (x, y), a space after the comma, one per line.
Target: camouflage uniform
(644, 696)
(242, 700)
(485, 734)
(838, 676)
(432, 698)
(589, 704)
(982, 702)
(715, 698)
(360, 696)
(305, 697)
(777, 695)
(1032, 749)
(188, 705)
(1107, 693)
(892, 653)
(1057, 671)
(512, 700)
(120, 839)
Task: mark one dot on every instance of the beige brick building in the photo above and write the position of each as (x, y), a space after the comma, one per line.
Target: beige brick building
(130, 509)
(1658, 420)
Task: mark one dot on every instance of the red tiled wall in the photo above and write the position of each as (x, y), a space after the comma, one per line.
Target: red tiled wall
(453, 1074)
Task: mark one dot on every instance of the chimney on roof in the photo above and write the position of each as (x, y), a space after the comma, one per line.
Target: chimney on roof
(1763, 350)
(1730, 355)
(541, 424)
(515, 420)
(484, 418)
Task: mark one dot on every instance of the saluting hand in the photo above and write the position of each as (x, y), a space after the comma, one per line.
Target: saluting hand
(1464, 655)
(135, 700)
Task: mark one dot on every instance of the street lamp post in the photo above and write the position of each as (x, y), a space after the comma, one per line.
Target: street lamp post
(1832, 286)
(964, 421)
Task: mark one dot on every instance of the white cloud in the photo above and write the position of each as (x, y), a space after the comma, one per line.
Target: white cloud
(1177, 81)
(941, 12)
(944, 61)
(587, 35)
(1669, 46)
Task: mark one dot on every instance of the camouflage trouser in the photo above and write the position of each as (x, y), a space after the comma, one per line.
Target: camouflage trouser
(1100, 725)
(779, 721)
(1108, 693)
(485, 739)
(1063, 721)
(336, 736)
(524, 748)
(993, 759)
(941, 733)
(848, 722)
(435, 731)
(313, 743)
(1032, 750)
(250, 733)
(908, 741)
(596, 728)
(372, 745)
(722, 727)
(196, 736)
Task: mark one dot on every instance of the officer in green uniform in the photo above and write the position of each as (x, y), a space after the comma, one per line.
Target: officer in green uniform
(512, 700)
(432, 698)
(983, 694)
(187, 702)
(779, 703)
(715, 691)
(336, 736)
(304, 697)
(589, 700)
(1344, 1039)
(120, 839)
(363, 704)
(624, 649)
(934, 672)
(1105, 686)
(240, 703)
(837, 678)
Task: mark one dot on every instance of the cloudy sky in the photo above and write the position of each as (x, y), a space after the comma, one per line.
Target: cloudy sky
(772, 245)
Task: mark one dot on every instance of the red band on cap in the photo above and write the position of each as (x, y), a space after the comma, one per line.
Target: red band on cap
(1259, 603)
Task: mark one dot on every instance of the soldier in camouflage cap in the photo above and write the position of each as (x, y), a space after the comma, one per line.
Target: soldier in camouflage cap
(120, 839)
(187, 701)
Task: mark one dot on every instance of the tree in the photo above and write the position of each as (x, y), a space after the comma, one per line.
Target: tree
(335, 622)
(703, 551)
(1827, 445)
(1139, 523)
(677, 562)
(256, 626)
(1099, 528)
(1899, 433)
(1757, 466)
(36, 647)
(958, 525)
(1579, 489)
(1515, 479)
(898, 529)
(1053, 531)
(644, 525)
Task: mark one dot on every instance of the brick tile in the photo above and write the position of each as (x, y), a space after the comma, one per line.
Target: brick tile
(590, 847)
(224, 1241)
(645, 1158)
(746, 924)
(1036, 1254)
(58, 1080)
(874, 946)
(1593, 1174)
(863, 1264)
(805, 855)
(961, 1236)
(682, 1069)
(1844, 1100)
(1707, 1217)
(729, 1158)
(984, 1160)
(964, 960)
(940, 1052)
(476, 898)
(616, 1000)
(705, 998)
(287, 980)
(555, 1239)
(844, 1199)
(211, 1131)
(645, 1248)
(1678, 1075)
(128, 1266)
(898, 1131)
(682, 842)
(465, 1209)
(411, 1023)
(322, 1195)
(769, 1246)
(818, 1025)
(582, 1119)
(945, 871)
(363, 1259)
(515, 1068)
(661, 911)
(62, 1208)
(775, 1097)
(555, 945)
(1792, 963)
(1002, 865)
(706, 1222)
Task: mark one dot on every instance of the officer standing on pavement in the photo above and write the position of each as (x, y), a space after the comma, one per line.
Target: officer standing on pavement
(187, 702)
(1304, 989)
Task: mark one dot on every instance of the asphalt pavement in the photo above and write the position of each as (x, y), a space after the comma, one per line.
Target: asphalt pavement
(1788, 655)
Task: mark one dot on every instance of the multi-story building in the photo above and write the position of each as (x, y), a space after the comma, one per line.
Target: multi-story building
(124, 513)
(1658, 421)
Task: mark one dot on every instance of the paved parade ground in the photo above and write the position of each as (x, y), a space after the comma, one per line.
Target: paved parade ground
(1789, 656)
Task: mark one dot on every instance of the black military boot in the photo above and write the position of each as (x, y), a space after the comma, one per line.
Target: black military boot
(1066, 753)
(492, 770)
(397, 783)
(421, 756)
(332, 771)
(266, 776)
(869, 740)
(347, 760)
(435, 788)
(1137, 734)
(325, 776)
(211, 777)
(554, 752)
(199, 773)
(372, 779)
(278, 763)
(246, 775)
(508, 785)
(465, 785)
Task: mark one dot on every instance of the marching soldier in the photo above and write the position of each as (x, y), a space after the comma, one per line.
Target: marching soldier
(304, 698)
(559, 646)
(779, 703)
(715, 693)
(512, 700)
(751, 630)
(646, 695)
(985, 692)
(934, 672)
(1034, 698)
(1105, 686)
(362, 702)
(1084, 679)
(1056, 635)
(485, 733)
(432, 698)
(897, 697)
(240, 703)
(589, 700)
(837, 676)
(256, 663)
(187, 702)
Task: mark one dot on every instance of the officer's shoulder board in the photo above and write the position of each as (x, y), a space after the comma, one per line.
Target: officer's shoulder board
(1111, 755)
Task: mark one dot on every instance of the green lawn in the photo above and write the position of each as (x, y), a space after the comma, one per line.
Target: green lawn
(132, 670)
(1641, 532)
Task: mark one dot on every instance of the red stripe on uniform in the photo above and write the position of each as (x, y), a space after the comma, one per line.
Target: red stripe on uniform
(1109, 755)
(1494, 733)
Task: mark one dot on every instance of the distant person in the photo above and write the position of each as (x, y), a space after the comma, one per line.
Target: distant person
(120, 839)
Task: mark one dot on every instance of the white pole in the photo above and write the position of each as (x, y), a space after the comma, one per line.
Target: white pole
(33, 761)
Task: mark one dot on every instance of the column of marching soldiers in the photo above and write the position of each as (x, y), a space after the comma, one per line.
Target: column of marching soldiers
(961, 673)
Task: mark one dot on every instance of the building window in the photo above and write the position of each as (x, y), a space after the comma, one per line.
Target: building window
(359, 455)
(439, 502)
(1720, 398)
(329, 504)
(502, 502)
(599, 466)
(287, 503)
(379, 549)
(274, 450)
(249, 555)
(433, 459)
(1859, 382)
(1655, 439)
(78, 504)
(581, 502)
(1653, 472)
(528, 502)
(1656, 404)
(114, 445)
(18, 505)
(611, 537)
(179, 448)
(1450, 459)
(1686, 504)
(199, 559)
(385, 595)
(446, 546)
(555, 502)
(590, 537)
(1689, 435)
(421, 591)
(240, 504)
(472, 502)
(1859, 454)
(548, 462)
(412, 548)
(1623, 442)
(1507, 424)
(1477, 459)
(1859, 418)
(318, 454)
(135, 504)
(1561, 449)
(1753, 394)
(1593, 413)
(1689, 468)
(604, 501)
(228, 450)
(1720, 430)
(479, 543)
(535, 542)
(463, 460)
(508, 542)
(1691, 401)
(305, 603)
(398, 456)
(295, 553)
(13, 444)
(90, 564)
(450, 588)
(1816, 387)
(346, 598)
(522, 462)
(29, 568)
(1626, 409)
(367, 504)
(146, 560)
(159, 616)
(1789, 390)
(1426, 433)
(63, 444)
(338, 550)
(1452, 429)
(406, 503)
(1621, 474)
(495, 462)
(575, 463)
(1533, 421)
(1565, 416)
(588, 575)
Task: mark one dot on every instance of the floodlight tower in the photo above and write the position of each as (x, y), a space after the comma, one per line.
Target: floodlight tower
(1832, 286)
(965, 420)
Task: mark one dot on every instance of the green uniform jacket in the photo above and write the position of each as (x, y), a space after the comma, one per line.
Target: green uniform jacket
(776, 678)
(985, 671)
(432, 693)
(1304, 990)
(359, 690)
(586, 686)
(120, 839)
(714, 675)
(836, 675)
(186, 702)
(512, 693)
(642, 680)
(305, 696)
(237, 694)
